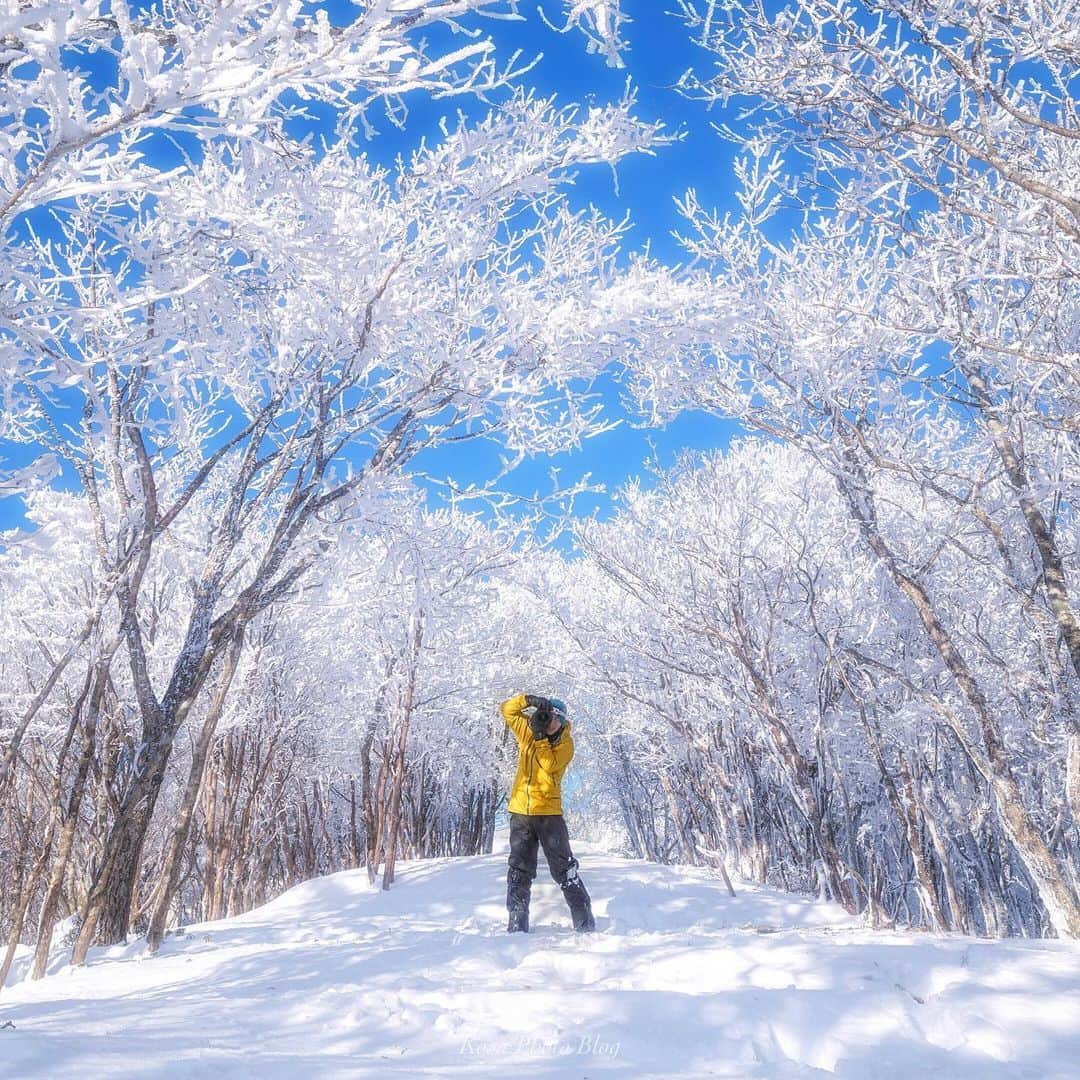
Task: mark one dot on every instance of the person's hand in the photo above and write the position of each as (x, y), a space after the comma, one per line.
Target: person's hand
(541, 715)
(540, 721)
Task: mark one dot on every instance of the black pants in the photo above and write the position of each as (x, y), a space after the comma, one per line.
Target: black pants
(528, 833)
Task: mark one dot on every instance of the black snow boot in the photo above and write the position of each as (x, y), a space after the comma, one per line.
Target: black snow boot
(518, 887)
(577, 898)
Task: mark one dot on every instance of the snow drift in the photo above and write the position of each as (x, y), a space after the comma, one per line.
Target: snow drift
(334, 979)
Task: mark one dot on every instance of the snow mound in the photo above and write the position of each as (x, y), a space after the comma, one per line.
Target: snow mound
(336, 979)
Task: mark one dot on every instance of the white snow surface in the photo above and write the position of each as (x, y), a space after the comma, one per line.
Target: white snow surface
(337, 979)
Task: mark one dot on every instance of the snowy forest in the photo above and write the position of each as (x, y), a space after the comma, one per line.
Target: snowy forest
(250, 638)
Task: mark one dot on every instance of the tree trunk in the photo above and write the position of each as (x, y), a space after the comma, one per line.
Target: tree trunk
(905, 809)
(1072, 778)
(182, 829)
(50, 905)
(1053, 567)
(960, 920)
(928, 894)
(108, 905)
(798, 770)
(354, 839)
(1053, 889)
(394, 822)
(25, 886)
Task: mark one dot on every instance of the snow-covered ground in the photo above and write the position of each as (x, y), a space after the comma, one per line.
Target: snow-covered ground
(334, 979)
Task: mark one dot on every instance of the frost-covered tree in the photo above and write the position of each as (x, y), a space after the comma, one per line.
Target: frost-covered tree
(353, 722)
(772, 703)
(917, 325)
(267, 331)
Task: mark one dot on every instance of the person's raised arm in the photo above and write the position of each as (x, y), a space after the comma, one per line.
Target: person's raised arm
(554, 757)
(513, 710)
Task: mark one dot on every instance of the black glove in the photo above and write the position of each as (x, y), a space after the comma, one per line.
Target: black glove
(541, 715)
(539, 721)
(538, 724)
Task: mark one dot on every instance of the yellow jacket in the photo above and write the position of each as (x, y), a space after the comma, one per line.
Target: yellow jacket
(541, 766)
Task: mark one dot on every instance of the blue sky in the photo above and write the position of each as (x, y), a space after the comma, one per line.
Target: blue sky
(660, 51)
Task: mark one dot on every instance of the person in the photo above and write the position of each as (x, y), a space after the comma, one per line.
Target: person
(545, 748)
